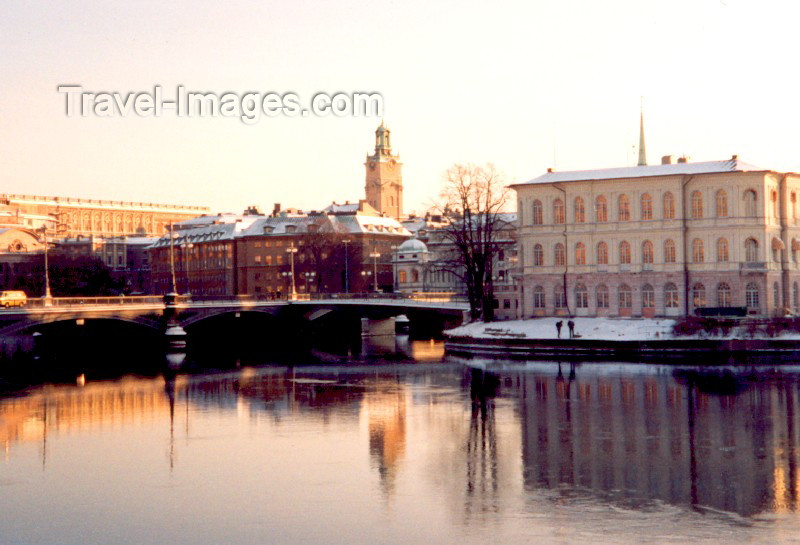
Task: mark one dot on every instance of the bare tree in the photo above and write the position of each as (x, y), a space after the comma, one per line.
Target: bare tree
(472, 202)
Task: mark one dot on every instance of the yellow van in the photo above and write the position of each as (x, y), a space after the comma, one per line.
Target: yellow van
(13, 299)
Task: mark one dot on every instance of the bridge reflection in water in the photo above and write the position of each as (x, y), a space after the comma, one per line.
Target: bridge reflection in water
(513, 438)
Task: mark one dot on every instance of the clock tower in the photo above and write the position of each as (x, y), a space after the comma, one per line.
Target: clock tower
(384, 181)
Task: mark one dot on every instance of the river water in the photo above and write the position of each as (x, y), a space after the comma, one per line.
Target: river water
(408, 448)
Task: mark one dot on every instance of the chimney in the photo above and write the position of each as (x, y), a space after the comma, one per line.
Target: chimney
(683, 159)
(734, 157)
(549, 170)
(276, 209)
(667, 160)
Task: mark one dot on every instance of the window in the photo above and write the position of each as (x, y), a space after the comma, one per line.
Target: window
(751, 295)
(671, 295)
(580, 210)
(751, 250)
(647, 207)
(601, 209)
(793, 200)
(537, 212)
(723, 295)
(559, 255)
(697, 205)
(773, 197)
(669, 206)
(699, 295)
(538, 255)
(698, 253)
(580, 254)
(648, 296)
(776, 295)
(538, 297)
(669, 251)
(559, 299)
(415, 275)
(581, 296)
(602, 296)
(647, 252)
(602, 253)
(750, 203)
(625, 298)
(722, 204)
(722, 250)
(558, 211)
(624, 210)
(624, 252)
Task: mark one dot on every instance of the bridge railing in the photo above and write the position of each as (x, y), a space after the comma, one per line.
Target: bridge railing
(87, 301)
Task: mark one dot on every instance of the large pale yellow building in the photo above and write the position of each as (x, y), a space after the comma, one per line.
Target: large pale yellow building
(661, 240)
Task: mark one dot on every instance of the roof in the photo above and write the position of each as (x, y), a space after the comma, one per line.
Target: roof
(708, 167)
(412, 245)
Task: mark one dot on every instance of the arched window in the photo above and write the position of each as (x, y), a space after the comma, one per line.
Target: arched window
(559, 254)
(538, 255)
(625, 297)
(624, 211)
(776, 295)
(722, 204)
(722, 250)
(751, 250)
(669, 251)
(580, 254)
(537, 212)
(624, 252)
(580, 210)
(558, 211)
(773, 197)
(647, 252)
(669, 206)
(647, 207)
(415, 275)
(403, 276)
(581, 296)
(648, 296)
(793, 201)
(670, 295)
(750, 203)
(751, 295)
(559, 297)
(538, 297)
(601, 209)
(697, 205)
(602, 253)
(723, 295)
(602, 296)
(699, 295)
(698, 253)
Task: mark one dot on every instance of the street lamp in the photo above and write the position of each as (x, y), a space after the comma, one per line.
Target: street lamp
(365, 276)
(375, 255)
(186, 248)
(309, 278)
(394, 268)
(172, 257)
(346, 271)
(48, 297)
(291, 250)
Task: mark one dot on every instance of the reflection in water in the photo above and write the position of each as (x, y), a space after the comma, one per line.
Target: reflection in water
(402, 453)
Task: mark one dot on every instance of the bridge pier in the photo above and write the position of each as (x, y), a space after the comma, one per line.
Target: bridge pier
(174, 334)
(372, 327)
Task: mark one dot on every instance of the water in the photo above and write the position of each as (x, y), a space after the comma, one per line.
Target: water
(429, 450)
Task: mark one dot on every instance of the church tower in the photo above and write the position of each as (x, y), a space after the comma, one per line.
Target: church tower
(384, 181)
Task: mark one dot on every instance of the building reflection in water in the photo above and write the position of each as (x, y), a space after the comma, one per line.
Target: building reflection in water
(705, 439)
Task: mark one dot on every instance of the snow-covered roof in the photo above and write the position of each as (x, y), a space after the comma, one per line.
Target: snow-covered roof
(412, 245)
(708, 167)
(207, 233)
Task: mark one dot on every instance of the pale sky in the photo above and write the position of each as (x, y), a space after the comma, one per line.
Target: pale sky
(525, 85)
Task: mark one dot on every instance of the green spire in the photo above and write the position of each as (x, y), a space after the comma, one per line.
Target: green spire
(642, 149)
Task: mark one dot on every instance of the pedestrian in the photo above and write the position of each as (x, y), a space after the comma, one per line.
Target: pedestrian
(571, 326)
(558, 327)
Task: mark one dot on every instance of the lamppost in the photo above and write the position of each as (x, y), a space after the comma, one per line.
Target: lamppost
(172, 257)
(375, 255)
(309, 278)
(346, 271)
(285, 275)
(291, 250)
(48, 297)
(365, 276)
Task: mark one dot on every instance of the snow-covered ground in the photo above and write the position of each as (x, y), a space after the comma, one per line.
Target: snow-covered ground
(612, 329)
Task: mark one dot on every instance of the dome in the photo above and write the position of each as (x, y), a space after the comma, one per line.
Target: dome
(413, 245)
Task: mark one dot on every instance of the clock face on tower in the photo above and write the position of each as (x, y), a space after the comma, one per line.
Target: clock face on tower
(372, 165)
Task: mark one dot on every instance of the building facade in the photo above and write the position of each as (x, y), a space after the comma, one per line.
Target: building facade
(661, 240)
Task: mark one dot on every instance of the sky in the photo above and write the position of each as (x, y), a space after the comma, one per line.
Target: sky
(525, 85)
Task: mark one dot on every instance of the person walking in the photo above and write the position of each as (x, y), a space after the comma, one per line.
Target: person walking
(571, 326)
(558, 327)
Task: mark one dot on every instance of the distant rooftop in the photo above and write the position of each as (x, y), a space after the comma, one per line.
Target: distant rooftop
(681, 168)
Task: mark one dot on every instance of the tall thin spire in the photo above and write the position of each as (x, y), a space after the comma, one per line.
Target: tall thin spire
(642, 149)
